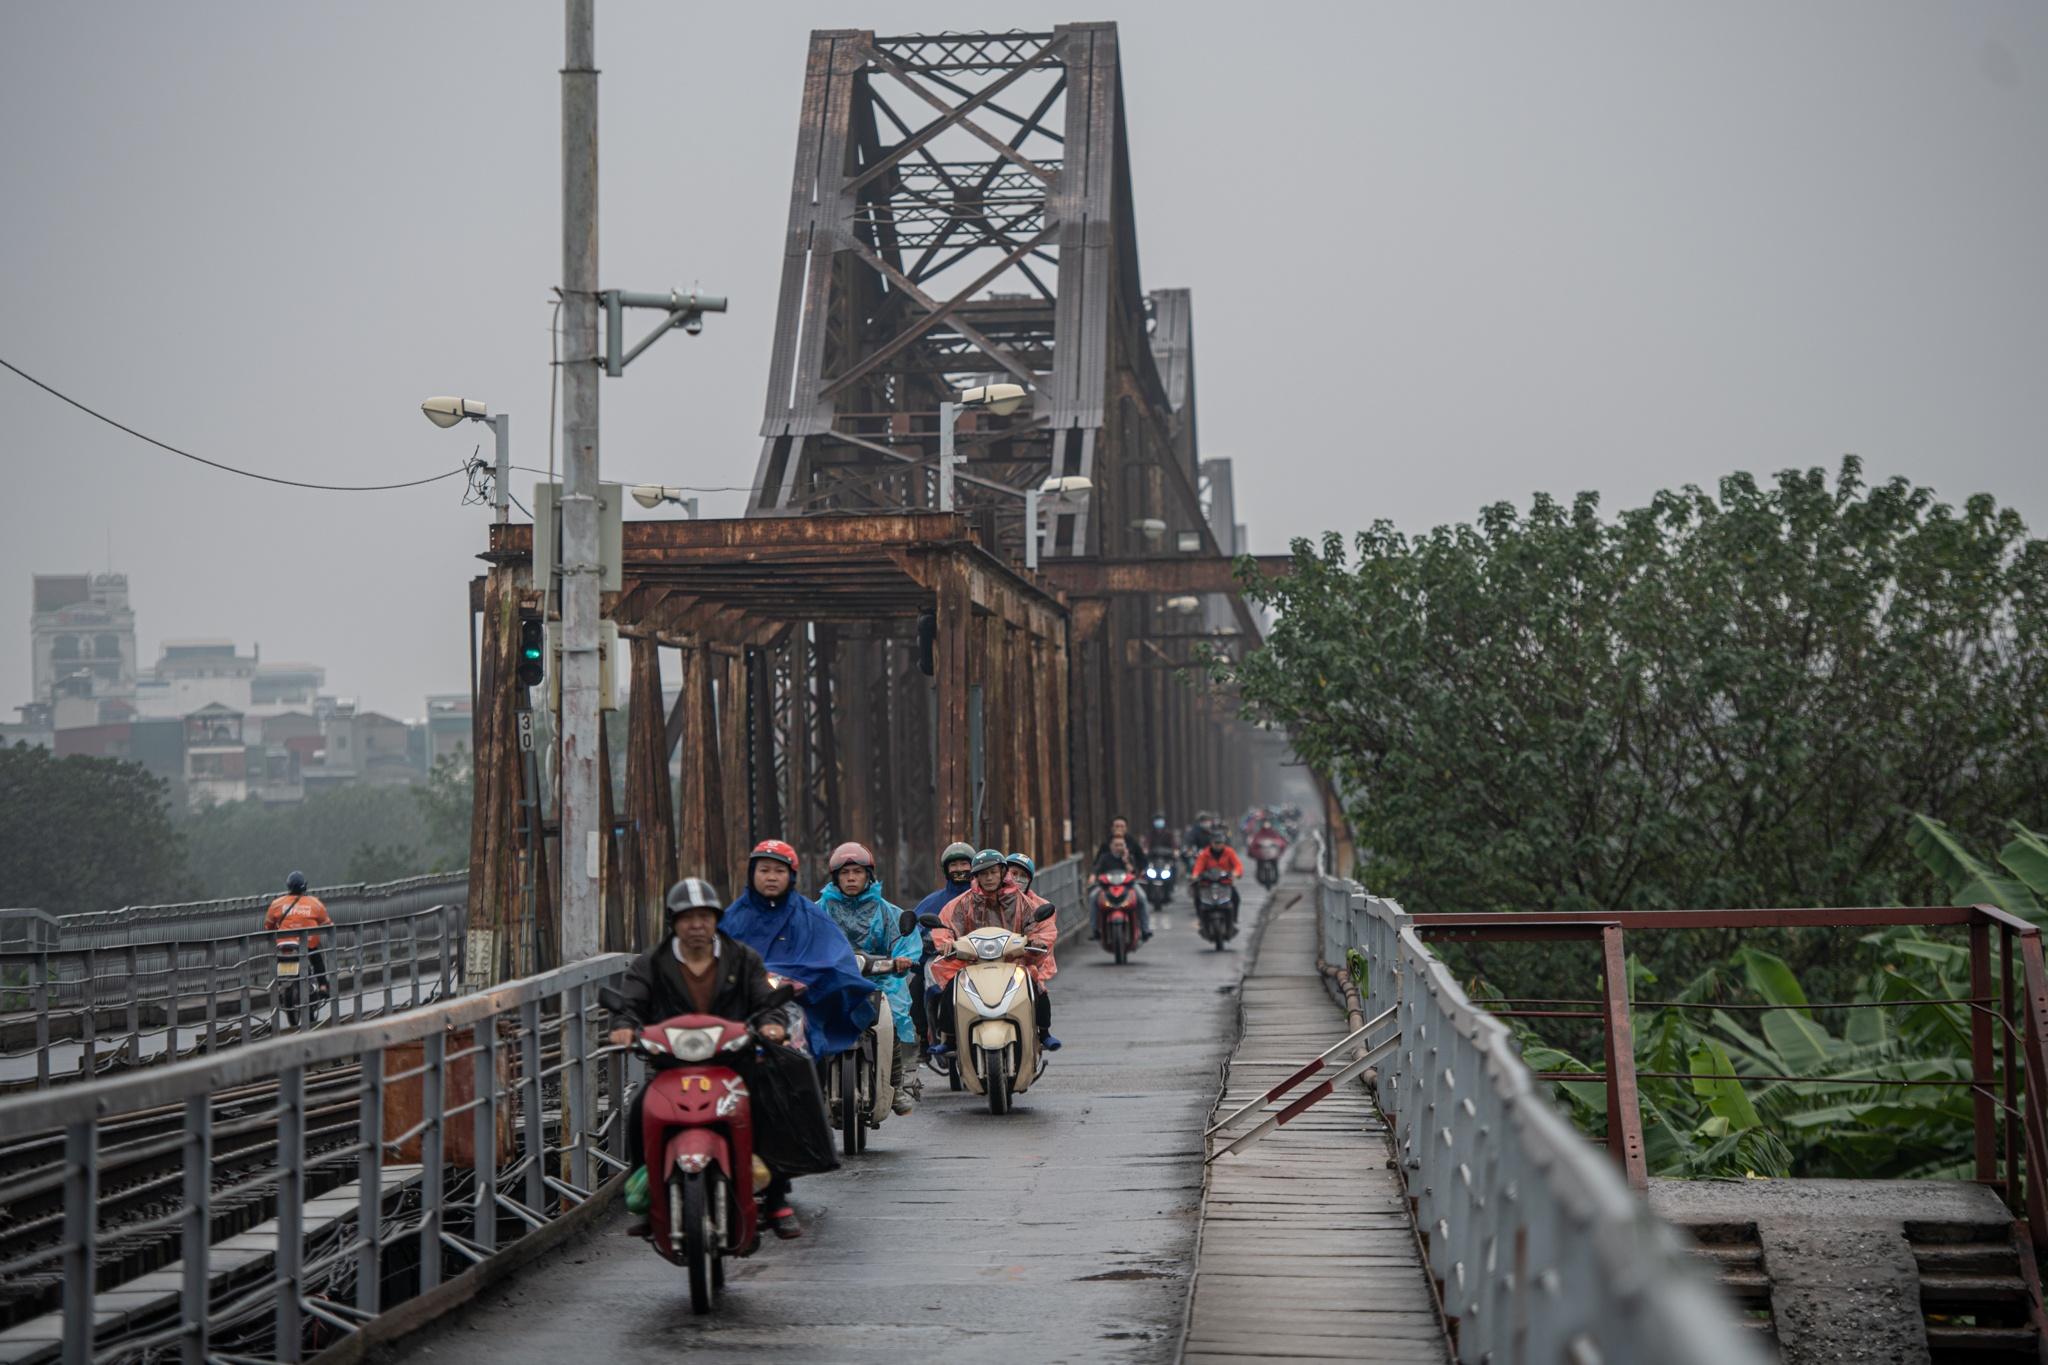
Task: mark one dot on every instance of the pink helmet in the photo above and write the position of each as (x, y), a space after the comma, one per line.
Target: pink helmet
(852, 853)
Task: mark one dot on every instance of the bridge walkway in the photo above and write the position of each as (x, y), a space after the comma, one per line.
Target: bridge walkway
(1064, 1231)
(1307, 1251)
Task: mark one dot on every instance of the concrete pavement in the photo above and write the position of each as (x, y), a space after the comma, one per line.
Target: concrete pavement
(1064, 1231)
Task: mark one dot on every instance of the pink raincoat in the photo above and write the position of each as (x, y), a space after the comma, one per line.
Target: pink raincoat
(1009, 909)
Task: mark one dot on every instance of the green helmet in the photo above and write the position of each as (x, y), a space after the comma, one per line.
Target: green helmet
(988, 857)
(1023, 864)
(955, 851)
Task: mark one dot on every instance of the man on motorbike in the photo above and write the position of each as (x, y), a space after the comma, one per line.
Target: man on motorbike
(1220, 855)
(1119, 828)
(954, 863)
(295, 909)
(1198, 834)
(853, 898)
(698, 969)
(799, 941)
(1159, 839)
(993, 901)
(1117, 858)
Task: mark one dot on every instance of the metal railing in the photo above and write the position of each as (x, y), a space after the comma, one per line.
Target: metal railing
(72, 1012)
(365, 1164)
(1541, 1249)
(347, 904)
(1063, 885)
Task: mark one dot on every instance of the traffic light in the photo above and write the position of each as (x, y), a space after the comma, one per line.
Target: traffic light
(533, 651)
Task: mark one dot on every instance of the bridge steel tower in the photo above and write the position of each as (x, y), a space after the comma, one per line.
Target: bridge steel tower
(961, 212)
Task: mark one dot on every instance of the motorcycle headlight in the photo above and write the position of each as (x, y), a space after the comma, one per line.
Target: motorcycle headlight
(693, 1044)
(988, 949)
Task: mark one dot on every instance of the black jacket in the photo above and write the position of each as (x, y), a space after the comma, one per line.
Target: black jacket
(1106, 860)
(654, 984)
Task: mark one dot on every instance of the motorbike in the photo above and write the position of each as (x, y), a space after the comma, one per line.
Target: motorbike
(1159, 877)
(698, 1134)
(1213, 909)
(1266, 851)
(1116, 913)
(995, 1013)
(866, 1073)
(295, 992)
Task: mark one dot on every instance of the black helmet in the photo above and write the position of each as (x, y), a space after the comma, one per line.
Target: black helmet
(694, 893)
(296, 883)
(1218, 835)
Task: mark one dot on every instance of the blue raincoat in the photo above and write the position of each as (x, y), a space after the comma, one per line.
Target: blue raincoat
(799, 940)
(869, 923)
(938, 900)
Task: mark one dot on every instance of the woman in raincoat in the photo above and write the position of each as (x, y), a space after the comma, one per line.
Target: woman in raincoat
(995, 900)
(853, 898)
(799, 941)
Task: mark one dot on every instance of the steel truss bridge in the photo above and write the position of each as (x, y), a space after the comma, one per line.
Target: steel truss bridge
(852, 659)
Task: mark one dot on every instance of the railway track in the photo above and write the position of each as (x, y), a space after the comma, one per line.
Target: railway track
(142, 1184)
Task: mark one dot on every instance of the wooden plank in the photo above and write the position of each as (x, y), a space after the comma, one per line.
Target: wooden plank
(1307, 1250)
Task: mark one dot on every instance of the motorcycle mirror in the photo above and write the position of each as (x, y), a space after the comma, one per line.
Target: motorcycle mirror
(1045, 912)
(905, 924)
(611, 999)
(931, 921)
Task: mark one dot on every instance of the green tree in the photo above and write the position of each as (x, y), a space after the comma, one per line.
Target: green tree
(357, 833)
(1712, 700)
(84, 834)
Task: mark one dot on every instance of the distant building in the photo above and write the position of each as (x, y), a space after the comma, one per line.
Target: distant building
(364, 746)
(80, 625)
(191, 674)
(448, 726)
(286, 684)
(216, 760)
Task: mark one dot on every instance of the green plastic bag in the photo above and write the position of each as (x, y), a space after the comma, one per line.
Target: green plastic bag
(637, 1201)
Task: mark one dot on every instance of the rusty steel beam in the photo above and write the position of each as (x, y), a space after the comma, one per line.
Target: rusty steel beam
(1164, 577)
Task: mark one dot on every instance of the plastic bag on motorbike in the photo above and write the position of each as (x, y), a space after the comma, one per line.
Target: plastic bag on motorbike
(791, 1131)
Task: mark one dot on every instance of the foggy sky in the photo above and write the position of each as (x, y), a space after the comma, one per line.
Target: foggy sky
(1440, 256)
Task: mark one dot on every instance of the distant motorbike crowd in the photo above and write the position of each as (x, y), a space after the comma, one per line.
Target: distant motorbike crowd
(780, 1030)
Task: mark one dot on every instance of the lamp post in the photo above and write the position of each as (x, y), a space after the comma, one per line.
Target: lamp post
(652, 495)
(1000, 399)
(446, 412)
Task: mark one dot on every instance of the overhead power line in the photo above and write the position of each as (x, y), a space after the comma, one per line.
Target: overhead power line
(216, 464)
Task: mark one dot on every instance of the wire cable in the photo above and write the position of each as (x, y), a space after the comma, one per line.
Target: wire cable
(216, 464)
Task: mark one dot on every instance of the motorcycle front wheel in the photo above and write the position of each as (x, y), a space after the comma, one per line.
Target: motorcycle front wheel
(1117, 946)
(849, 1103)
(998, 1087)
(701, 1251)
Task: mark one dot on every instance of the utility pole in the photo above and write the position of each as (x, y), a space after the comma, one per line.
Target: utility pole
(582, 841)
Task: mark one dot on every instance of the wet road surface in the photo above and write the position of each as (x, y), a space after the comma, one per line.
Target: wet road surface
(1063, 1231)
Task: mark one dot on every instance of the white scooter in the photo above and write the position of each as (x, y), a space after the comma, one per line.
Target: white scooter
(995, 1012)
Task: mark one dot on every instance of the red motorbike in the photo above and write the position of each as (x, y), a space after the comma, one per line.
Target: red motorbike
(698, 1135)
(1266, 848)
(1116, 913)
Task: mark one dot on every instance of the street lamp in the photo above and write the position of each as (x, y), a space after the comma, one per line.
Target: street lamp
(652, 495)
(446, 412)
(1059, 489)
(1000, 399)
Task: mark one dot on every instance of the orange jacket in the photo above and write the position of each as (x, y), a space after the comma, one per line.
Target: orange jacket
(298, 912)
(1227, 860)
(1009, 909)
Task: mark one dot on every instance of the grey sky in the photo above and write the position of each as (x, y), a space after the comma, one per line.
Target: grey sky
(1440, 256)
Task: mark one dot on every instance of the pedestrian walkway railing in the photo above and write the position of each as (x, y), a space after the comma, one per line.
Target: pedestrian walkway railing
(270, 1202)
(70, 1012)
(1062, 884)
(1541, 1249)
(190, 920)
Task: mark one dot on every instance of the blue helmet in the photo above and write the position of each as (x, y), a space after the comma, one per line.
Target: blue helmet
(296, 883)
(1023, 864)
